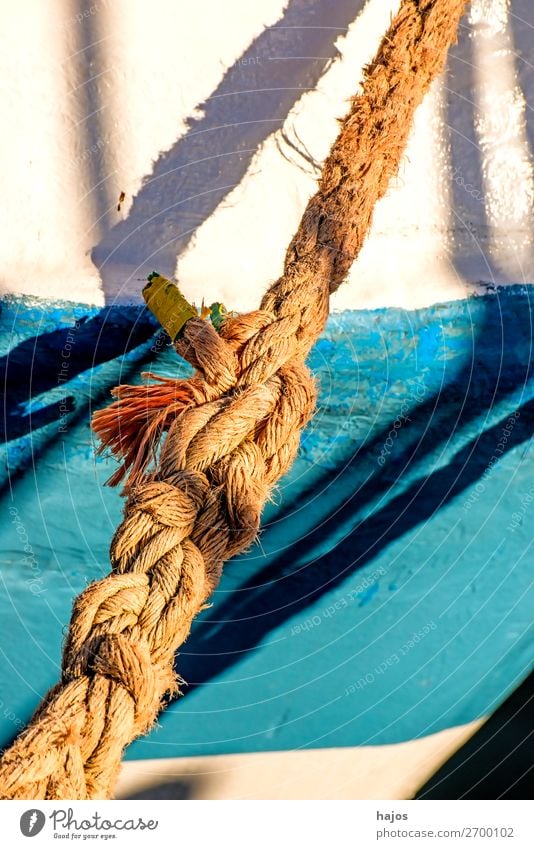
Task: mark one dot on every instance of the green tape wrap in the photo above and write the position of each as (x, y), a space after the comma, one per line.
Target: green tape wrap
(166, 302)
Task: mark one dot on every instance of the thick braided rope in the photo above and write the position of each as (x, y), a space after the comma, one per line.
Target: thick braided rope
(222, 455)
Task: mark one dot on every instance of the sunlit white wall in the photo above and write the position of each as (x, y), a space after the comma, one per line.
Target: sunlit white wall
(98, 98)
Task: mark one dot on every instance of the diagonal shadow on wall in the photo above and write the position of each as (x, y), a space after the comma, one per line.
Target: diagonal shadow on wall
(253, 99)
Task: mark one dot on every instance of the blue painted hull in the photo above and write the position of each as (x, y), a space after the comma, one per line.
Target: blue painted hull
(389, 595)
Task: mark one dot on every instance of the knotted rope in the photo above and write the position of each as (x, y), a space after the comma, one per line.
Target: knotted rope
(231, 432)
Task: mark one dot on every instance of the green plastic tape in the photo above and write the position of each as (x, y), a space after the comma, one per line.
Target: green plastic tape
(166, 302)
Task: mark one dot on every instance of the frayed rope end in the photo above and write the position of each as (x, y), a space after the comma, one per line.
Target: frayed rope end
(132, 426)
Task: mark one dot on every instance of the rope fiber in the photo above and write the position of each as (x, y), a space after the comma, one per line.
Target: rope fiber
(225, 437)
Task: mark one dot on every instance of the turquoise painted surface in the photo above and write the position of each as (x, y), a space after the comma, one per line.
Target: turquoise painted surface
(390, 593)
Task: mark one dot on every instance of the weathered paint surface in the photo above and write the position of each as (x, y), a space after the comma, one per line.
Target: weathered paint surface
(388, 596)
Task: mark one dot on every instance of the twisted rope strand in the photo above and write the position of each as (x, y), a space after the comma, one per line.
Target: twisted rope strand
(226, 445)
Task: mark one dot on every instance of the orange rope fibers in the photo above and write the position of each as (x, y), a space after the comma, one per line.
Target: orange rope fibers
(229, 433)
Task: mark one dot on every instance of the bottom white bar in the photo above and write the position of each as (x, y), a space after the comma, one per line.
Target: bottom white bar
(266, 824)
